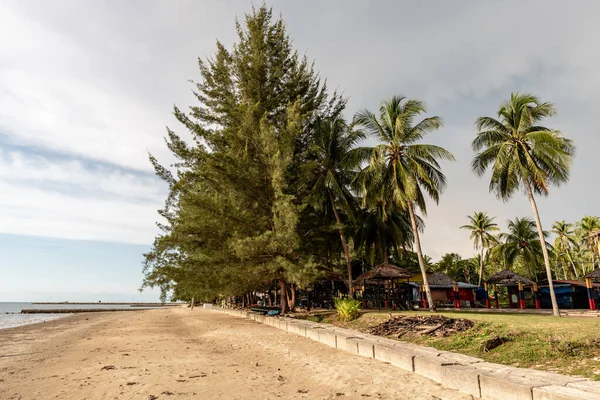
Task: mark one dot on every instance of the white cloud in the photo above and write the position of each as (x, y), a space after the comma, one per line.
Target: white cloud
(97, 81)
(64, 198)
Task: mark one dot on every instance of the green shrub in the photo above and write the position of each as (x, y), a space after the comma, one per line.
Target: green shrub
(347, 309)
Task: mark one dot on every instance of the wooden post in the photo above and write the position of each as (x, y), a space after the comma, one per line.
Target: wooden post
(456, 295)
(588, 285)
(521, 296)
(536, 297)
(496, 295)
(487, 296)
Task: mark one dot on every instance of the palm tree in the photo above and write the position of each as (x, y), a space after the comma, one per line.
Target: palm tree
(522, 153)
(588, 229)
(522, 241)
(481, 227)
(399, 164)
(332, 141)
(564, 238)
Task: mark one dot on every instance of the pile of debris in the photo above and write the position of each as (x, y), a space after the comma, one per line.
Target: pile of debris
(433, 325)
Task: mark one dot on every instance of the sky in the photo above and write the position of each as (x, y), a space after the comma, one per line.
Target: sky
(87, 89)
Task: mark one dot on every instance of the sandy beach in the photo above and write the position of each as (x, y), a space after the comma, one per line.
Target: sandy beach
(179, 354)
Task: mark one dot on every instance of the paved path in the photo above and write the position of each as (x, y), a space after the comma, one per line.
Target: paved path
(180, 354)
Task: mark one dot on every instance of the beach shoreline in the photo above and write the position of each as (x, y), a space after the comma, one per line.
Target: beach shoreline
(183, 354)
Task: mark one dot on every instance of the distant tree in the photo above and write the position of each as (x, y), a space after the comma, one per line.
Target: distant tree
(481, 227)
(399, 164)
(564, 241)
(588, 228)
(523, 154)
(521, 242)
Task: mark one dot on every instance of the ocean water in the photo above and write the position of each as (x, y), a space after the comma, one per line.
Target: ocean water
(10, 312)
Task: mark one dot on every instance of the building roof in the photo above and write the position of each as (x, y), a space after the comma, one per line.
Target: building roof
(383, 272)
(567, 283)
(507, 277)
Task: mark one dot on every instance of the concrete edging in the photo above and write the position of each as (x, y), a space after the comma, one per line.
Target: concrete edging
(467, 374)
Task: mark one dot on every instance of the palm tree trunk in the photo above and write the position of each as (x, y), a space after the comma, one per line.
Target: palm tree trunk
(480, 267)
(536, 215)
(344, 244)
(566, 246)
(413, 222)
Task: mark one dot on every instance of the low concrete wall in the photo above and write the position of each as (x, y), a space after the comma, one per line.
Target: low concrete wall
(470, 375)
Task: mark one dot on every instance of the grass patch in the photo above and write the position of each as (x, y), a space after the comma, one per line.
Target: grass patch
(565, 345)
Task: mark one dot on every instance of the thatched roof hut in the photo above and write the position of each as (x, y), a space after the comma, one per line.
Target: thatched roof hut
(595, 274)
(508, 278)
(383, 272)
(439, 279)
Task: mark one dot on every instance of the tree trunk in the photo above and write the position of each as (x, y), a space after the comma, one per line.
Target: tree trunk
(283, 304)
(480, 267)
(413, 222)
(192, 304)
(566, 246)
(293, 302)
(536, 215)
(269, 299)
(344, 244)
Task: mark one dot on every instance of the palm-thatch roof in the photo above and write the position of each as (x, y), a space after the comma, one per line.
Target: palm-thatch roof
(439, 279)
(507, 277)
(383, 272)
(595, 274)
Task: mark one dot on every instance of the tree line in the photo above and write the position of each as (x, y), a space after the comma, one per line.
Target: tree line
(271, 185)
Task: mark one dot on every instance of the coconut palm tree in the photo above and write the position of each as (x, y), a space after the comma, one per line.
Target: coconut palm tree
(403, 167)
(523, 154)
(588, 229)
(481, 227)
(332, 140)
(563, 242)
(521, 241)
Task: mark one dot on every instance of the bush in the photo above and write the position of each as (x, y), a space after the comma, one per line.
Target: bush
(347, 309)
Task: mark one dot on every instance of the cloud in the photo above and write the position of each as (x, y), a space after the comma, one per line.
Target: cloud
(86, 89)
(68, 198)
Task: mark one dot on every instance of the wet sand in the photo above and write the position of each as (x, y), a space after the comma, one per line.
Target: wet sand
(180, 354)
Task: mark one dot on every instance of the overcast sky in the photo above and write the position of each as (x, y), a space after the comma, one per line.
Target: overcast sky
(87, 88)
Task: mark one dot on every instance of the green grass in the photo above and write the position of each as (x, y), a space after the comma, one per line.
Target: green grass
(564, 345)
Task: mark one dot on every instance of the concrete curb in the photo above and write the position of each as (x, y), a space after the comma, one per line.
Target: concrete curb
(467, 374)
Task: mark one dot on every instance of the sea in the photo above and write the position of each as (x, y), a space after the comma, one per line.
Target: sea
(10, 312)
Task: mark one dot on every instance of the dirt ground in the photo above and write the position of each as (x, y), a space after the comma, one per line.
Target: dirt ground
(180, 354)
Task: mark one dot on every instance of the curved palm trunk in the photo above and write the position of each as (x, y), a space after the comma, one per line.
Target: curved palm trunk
(566, 246)
(413, 222)
(344, 244)
(480, 267)
(538, 223)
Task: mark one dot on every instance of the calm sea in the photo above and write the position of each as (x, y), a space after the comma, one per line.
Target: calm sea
(10, 317)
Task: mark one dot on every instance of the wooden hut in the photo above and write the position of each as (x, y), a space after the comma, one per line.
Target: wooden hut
(514, 284)
(443, 290)
(570, 294)
(381, 286)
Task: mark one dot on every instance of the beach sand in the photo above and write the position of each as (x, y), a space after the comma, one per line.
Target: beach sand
(183, 354)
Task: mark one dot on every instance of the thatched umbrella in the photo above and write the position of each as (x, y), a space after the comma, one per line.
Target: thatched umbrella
(508, 278)
(383, 272)
(595, 274)
(439, 279)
